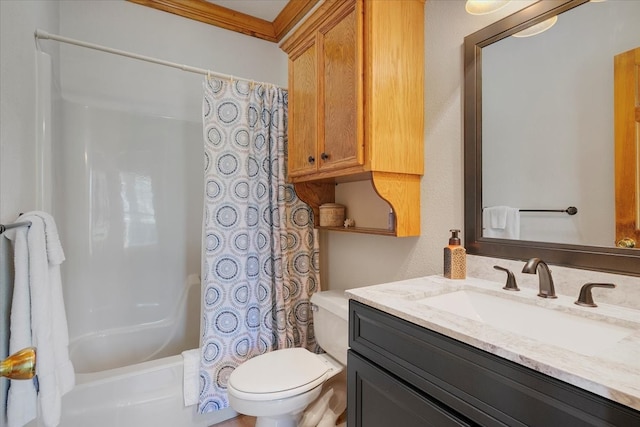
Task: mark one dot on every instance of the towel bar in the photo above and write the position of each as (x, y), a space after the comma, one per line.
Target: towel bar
(571, 210)
(4, 227)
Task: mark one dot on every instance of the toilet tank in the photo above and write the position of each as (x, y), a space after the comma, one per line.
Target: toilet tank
(331, 323)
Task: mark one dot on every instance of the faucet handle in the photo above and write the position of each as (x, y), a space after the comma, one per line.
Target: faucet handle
(585, 298)
(511, 284)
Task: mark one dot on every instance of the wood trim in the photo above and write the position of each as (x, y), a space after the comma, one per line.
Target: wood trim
(627, 140)
(218, 16)
(402, 192)
(209, 13)
(292, 13)
(311, 25)
(315, 194)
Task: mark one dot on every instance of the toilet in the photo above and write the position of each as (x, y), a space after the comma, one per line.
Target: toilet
(276, 387)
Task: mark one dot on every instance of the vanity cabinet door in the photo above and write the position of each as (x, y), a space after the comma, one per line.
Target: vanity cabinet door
(377, 399)
(487, 389)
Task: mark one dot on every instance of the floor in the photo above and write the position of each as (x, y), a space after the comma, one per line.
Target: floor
(246, 421)
(239, 421)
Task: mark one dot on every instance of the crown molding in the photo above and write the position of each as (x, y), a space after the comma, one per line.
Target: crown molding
(209, 13)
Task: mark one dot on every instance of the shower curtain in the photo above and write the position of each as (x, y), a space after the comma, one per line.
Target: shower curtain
(260, 250)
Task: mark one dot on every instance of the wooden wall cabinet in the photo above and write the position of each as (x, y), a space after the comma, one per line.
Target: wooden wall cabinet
(356, 104)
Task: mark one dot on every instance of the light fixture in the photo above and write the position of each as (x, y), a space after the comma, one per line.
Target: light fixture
(482, 7)
(538, 28)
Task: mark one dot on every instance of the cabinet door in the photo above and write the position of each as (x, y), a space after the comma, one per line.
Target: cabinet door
(340, 144)
(482, 387)
(303, 111)
(377, 399)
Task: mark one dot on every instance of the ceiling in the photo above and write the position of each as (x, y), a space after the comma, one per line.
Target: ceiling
(264, 9)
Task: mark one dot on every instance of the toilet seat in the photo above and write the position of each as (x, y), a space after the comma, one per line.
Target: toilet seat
(278, 375)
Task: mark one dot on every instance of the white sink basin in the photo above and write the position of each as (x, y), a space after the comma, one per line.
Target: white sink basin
(571, 332)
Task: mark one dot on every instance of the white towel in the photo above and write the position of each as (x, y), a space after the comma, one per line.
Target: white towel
(191, 378)
(327, 408)
(502, 222)
(48, 322)
(315, 411)
(22, 397)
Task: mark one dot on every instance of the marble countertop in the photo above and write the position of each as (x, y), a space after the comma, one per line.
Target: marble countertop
(612, 372)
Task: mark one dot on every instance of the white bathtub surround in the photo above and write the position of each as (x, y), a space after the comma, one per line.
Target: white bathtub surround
(45, 326)
(611, 371)
(260, 251)
(128, 203)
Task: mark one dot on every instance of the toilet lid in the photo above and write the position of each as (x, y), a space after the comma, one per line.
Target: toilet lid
(278, 374)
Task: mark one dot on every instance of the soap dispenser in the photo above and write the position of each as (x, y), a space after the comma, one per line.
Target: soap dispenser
(455, 261)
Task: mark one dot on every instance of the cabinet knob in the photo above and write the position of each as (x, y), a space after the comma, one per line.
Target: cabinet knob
(324, 156)
(312, 159)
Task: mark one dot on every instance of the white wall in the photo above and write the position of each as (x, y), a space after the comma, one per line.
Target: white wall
(19, 19)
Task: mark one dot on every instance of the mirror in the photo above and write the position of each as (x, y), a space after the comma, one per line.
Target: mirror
(488, 179)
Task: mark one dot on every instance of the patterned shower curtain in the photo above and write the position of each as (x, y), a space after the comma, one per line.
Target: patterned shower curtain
(260, 251)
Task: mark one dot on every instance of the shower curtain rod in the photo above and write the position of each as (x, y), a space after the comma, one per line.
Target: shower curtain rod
(40, 34)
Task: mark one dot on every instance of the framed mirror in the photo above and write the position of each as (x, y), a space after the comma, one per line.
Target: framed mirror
(527, 136)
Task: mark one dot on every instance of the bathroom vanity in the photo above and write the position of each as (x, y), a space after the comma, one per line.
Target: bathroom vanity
(434, 352)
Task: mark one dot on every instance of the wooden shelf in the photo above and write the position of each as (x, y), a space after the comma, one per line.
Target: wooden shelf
(401, 191)
(362, 230)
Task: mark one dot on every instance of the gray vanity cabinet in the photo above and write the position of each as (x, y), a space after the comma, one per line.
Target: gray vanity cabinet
(401, 374)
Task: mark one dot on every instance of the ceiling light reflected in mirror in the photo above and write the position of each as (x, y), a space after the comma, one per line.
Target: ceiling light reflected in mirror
(538, 28)
(482, 7)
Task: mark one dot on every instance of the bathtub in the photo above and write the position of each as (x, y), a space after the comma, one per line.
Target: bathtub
(147, 387)
(141, 395)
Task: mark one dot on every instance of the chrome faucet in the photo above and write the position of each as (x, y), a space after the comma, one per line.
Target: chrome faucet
(547, 290)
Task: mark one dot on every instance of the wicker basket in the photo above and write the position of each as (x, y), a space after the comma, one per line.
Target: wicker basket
(331, 215)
